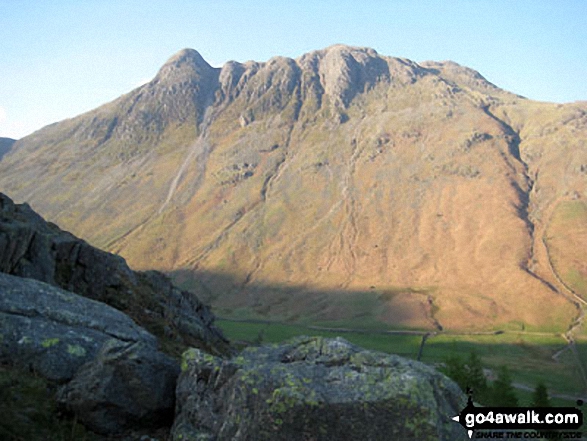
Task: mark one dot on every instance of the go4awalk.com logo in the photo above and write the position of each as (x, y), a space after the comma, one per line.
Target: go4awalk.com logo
(521, 422)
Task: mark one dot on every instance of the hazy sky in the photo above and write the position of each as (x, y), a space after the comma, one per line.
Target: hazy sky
(63, 57)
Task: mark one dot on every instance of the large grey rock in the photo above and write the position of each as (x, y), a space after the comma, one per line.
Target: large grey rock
(33, 248)
(314, 388)
(53, 331)
(127, 385)
(117, 378)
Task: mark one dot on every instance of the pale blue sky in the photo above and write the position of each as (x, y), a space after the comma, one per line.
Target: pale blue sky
(63, 57)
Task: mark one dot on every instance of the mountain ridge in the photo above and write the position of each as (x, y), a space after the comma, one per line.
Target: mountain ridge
(340, 170)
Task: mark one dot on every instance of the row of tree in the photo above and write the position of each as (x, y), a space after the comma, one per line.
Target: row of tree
(469, 375)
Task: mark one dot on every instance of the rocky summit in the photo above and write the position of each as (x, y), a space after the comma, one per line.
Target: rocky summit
(342, 187)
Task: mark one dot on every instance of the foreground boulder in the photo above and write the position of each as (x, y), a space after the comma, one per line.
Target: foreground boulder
(33, 248)
(314, 388)
(128, 385)
(54, 332)
(117, 378)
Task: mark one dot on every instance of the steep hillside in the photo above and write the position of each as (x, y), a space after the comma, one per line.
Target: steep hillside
(342, 187)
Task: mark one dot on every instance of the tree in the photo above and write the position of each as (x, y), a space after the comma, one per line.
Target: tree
(476, 378)
(540, 396)
(468, 375)
(455, 369)
(502, 391)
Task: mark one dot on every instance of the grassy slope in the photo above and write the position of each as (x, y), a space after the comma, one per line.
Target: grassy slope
(28, 411)
(566, 239)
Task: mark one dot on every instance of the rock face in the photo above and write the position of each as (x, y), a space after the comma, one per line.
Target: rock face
(33, 248)
(117, 377)
(314, 388)
(62, 315)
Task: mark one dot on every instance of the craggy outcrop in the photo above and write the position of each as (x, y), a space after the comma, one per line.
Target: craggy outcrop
(313, 388)
(33, 248)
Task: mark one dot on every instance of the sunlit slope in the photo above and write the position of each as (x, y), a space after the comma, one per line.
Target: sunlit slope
(554, 147)
(341, 187)
(566, 239)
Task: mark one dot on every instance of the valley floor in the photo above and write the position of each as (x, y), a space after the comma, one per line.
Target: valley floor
(531, 356)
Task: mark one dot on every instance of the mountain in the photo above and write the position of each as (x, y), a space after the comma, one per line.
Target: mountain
(5, 146)
(341, 187)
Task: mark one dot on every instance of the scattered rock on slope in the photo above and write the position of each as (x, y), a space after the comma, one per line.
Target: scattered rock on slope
(313, 388)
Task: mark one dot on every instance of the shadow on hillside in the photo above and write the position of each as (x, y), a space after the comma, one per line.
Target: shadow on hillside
(376, 307)
(254, 313)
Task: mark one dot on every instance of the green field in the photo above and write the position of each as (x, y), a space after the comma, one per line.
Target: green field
(527, 355)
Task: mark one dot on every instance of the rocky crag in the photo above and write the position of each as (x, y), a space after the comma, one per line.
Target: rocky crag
(77, 317)
(114, 376)
(342, 186)
(68, 352)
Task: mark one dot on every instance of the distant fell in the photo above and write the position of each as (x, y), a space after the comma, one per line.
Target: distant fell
(5, 146)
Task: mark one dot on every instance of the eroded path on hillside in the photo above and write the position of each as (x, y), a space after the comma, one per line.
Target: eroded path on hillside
(199, 152)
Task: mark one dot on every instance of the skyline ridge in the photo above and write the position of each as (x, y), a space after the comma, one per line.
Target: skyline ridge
(188, 53)
(65, 58)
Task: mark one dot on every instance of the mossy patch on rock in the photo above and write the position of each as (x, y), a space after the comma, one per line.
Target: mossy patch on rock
(49, 342)
(76, 350)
